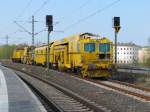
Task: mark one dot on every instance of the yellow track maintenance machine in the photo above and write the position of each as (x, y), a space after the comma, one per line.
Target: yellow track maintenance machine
(86, 53)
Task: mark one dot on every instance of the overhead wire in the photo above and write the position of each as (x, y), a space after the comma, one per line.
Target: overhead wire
(79, 8)
(21, 14)
(39, 9)
(24, 9)
(93, 14)
(84, 4)
(35, 12)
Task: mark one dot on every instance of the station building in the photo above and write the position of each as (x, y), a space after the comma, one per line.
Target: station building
(127, 53)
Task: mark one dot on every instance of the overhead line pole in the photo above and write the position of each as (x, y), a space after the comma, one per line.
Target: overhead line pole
(31, 33)
(33, 39)
(7, 40)
(33, 30)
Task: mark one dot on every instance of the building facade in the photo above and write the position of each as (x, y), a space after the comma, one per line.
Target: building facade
(144, 54)
(127, 53)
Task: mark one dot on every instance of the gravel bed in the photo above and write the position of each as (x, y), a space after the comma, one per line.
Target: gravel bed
(111, 100)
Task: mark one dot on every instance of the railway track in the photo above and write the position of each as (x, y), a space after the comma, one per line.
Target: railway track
(131, 85)
(130, 89)
(49, 106)
(130, 94)
(127, 88)
(61, 99)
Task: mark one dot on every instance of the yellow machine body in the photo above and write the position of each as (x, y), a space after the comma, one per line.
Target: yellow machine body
(27, 55)
(76, 53)
(40, 55)
(85, 53)
(17, 54)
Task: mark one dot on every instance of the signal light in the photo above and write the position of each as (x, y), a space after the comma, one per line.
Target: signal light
(116, 24)
(49, 22)
(116, 21)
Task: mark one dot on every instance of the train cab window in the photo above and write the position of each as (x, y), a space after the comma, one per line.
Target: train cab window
(104, 47)
(89, 47)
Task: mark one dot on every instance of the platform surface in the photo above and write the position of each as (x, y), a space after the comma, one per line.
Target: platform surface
(15, 95)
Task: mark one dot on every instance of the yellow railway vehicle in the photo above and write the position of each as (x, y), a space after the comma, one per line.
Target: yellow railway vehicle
(83, 53)
(17, 54)
(40, 56)
(27, 55)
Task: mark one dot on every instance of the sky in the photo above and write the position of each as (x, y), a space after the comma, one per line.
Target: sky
(73, 17)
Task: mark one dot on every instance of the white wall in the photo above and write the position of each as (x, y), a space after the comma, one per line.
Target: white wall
(127, 54)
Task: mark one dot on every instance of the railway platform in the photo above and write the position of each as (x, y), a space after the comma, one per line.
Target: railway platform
(15, 96)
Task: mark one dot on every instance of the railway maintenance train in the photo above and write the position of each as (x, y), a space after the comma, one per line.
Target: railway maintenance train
(84, 53)
(17, 54)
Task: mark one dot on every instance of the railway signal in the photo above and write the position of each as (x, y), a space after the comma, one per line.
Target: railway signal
(116, 26)
(49, 24)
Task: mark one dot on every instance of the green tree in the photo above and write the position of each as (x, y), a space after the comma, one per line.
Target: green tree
(6, 51)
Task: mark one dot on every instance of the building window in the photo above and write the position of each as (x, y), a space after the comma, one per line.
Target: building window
(124, 48)
(121, 48)
(127, 48)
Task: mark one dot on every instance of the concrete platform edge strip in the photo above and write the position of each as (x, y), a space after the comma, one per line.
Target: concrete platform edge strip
(41, 107)
(4, 105)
